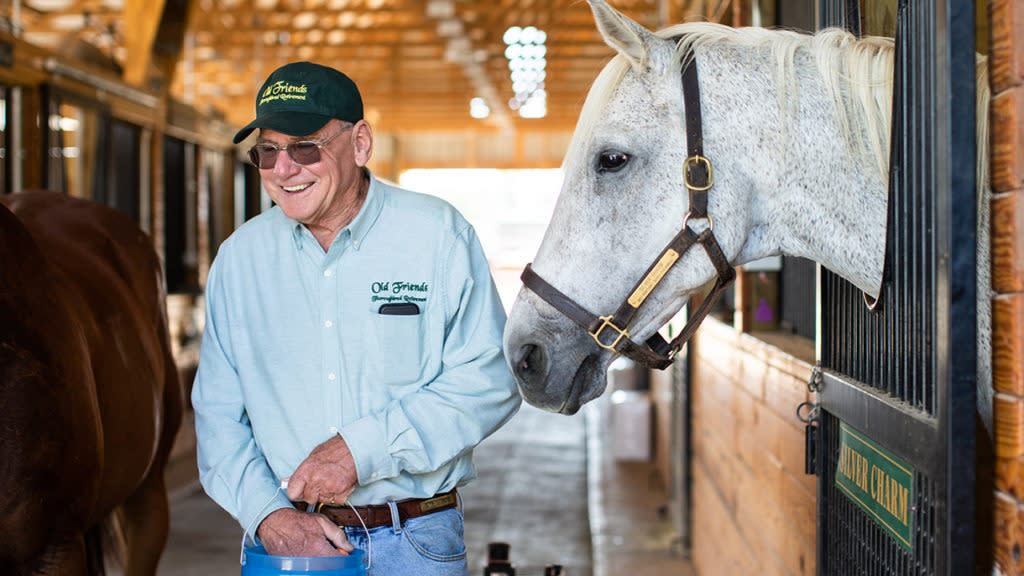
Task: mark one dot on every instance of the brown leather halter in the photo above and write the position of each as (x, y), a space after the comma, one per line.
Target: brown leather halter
(611, 332)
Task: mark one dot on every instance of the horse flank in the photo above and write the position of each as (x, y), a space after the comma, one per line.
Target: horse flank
(93, 391)
(856, 72)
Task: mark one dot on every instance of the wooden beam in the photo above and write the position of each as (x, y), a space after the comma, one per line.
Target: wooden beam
(141, 20)
(170, 37)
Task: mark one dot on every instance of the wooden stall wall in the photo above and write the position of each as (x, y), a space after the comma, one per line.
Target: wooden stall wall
(753, 508)
(1007, 77)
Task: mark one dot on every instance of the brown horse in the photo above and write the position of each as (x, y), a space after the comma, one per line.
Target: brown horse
(90, 399)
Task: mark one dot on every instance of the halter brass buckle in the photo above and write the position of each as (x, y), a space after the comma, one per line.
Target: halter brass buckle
(693, 161)
(607, 322)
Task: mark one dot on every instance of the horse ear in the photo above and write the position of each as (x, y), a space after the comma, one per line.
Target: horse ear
(623, 34)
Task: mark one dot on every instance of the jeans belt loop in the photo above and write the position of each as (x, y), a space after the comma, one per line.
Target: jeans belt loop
(396, 519)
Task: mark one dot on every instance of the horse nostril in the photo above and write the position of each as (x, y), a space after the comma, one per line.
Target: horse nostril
(524, 358)
(532, 363)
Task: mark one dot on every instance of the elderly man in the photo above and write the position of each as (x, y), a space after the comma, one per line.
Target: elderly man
(352, 347)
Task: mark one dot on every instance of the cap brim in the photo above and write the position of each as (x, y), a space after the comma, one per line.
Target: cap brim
(290, 123)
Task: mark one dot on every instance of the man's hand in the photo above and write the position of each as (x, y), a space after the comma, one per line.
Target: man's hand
(327, 475)
(287, 532)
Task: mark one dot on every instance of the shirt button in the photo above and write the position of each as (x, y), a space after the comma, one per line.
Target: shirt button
(356, 243)
(374, 475)
(327, 273)
(328, 324)
(331, 376)
(333, 429)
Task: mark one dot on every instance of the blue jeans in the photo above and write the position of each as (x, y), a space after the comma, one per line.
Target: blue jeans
(431, 545)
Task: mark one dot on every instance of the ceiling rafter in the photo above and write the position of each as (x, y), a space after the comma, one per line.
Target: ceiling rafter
(419, 62)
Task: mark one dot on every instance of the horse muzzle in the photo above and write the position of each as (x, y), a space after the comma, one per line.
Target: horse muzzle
(555, 363)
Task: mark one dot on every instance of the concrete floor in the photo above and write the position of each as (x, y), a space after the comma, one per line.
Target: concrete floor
(546, 486)
(631, 534)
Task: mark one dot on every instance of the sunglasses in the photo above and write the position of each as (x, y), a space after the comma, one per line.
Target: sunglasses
(304, 152)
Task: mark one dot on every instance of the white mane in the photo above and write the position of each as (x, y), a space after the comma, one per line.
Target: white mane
(857, 72)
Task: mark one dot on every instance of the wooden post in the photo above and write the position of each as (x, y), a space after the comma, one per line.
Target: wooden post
(141, 20)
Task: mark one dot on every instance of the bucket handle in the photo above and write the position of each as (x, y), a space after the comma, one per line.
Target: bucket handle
(310, 508)
(249, 528)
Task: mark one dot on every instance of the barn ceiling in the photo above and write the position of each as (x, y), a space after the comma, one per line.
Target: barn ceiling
(418, 62)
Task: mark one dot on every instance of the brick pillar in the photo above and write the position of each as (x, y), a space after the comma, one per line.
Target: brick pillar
(1007, 164)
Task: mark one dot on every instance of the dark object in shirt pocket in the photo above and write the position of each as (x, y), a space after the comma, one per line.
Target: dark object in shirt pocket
(401, 309)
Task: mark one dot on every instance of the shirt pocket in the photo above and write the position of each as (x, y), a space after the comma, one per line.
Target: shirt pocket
(396, 347)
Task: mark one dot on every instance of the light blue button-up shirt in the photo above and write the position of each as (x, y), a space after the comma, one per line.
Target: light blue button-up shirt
(296, 349)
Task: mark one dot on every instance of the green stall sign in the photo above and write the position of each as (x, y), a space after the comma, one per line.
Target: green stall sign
(877, 481)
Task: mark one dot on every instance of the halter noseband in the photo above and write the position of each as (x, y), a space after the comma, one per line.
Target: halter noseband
(611, 332)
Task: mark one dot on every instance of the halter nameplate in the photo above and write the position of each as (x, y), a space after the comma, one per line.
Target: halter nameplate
(653, 279)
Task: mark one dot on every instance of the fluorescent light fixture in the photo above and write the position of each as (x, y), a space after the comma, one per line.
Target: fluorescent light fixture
(534, 108)
(439, 9)
(512, 35)
(525, 53)
(47, 5)
(449, 28)
(478, 108)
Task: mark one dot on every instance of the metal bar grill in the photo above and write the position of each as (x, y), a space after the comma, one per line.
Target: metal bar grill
(892, 350)
(904, 376)
(799, 279)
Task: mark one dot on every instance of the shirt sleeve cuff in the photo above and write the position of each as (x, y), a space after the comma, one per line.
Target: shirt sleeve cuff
(367, 442)
(264, 504)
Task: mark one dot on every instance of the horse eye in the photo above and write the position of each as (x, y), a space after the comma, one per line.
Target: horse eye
(612, 161)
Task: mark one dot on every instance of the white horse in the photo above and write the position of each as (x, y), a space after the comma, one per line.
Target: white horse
(797, 127)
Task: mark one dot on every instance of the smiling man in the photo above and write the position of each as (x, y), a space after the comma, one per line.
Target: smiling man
(366, 408)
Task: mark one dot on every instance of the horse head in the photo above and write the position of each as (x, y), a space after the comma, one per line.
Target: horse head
(796, 133)
(623, 200)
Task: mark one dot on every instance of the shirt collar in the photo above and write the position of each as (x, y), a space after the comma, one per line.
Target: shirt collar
(358, 228)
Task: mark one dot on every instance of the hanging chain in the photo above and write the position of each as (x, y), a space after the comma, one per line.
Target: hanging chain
(808, 411)
(814, 384)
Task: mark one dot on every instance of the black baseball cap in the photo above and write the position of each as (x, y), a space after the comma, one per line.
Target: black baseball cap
(300, 98)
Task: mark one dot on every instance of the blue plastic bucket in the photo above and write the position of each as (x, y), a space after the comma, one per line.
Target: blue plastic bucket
(256, 562)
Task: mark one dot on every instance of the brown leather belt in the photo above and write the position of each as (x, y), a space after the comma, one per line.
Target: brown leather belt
(380, 514)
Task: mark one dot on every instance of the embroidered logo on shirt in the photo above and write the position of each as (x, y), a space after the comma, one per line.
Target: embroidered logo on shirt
(398, 291)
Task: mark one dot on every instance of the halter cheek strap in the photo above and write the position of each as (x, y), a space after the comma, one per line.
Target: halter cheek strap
(611, 332)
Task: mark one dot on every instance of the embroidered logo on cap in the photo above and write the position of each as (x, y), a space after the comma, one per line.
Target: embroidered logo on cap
(283, 90)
